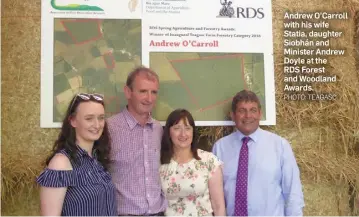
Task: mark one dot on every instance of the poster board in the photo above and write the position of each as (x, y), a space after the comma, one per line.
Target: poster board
(203, 51)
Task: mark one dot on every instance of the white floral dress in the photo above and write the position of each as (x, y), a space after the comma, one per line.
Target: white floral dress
(186, 185)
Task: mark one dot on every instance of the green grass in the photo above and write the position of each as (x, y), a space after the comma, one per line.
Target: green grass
(83, 31)
(211, 80)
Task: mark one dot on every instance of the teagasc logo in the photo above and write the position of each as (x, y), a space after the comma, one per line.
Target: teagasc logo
(75, 7)
(228, 11)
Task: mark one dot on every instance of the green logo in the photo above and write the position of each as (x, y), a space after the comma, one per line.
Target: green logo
(75, 7)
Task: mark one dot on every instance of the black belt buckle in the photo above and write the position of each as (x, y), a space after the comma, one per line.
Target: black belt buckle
(158, 214)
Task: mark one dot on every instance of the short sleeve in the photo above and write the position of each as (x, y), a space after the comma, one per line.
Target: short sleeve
(213, 164)
(211, 161)
(57, 178)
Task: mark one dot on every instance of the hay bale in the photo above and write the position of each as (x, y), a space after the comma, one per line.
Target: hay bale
(326, 199)
(324, 135)
(25, 201)
(24, 143)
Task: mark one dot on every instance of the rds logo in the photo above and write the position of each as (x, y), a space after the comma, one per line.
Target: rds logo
(228, 11)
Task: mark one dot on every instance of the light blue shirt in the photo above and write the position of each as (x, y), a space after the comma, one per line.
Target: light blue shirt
(274, 187)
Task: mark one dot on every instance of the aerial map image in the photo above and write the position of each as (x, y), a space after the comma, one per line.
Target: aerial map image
(204, 83)
(94, 56)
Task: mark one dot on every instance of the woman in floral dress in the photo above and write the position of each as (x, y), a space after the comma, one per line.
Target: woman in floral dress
(191, 178)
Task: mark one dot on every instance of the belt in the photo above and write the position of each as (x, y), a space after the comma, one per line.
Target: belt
(154, 214)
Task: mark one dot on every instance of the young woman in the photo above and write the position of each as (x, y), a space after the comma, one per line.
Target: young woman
(76, 180)
(191, 178)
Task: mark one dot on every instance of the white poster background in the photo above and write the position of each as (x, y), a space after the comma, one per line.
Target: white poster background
(184, 13)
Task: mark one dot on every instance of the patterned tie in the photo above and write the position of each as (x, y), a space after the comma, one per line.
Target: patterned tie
(240, 208)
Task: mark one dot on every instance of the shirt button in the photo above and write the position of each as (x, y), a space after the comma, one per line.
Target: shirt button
(148, 195)
(146, 178)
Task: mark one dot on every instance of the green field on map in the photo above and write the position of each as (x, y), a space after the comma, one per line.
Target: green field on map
(92, 55)
(204, 83)
(96, 55)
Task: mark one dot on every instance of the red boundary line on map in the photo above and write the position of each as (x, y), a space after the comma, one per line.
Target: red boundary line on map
(81, 21)
(194, 100)
(109, 53)
(215, 105)
(208, 57)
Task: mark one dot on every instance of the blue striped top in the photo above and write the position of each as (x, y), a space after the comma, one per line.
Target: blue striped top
(90, 191)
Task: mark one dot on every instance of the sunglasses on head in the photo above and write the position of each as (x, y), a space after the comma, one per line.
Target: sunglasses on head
(86, 97)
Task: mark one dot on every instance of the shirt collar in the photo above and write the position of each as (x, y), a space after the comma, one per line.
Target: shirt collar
(82, 152)
(254, 136)
(132, 122)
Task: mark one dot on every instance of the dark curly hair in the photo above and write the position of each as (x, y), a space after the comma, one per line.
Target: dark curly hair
(67, 136)
(167, 144)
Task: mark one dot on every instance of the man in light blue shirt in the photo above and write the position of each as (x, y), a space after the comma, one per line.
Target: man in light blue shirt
(274, 187)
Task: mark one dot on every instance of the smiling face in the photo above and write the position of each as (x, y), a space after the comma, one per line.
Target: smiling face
(142, 95)
(181, 134)
(88, 121)
(247, 116)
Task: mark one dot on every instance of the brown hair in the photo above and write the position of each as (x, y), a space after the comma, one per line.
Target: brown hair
(150, 74)
(167, 144)
(67, 137)
(245, 96)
